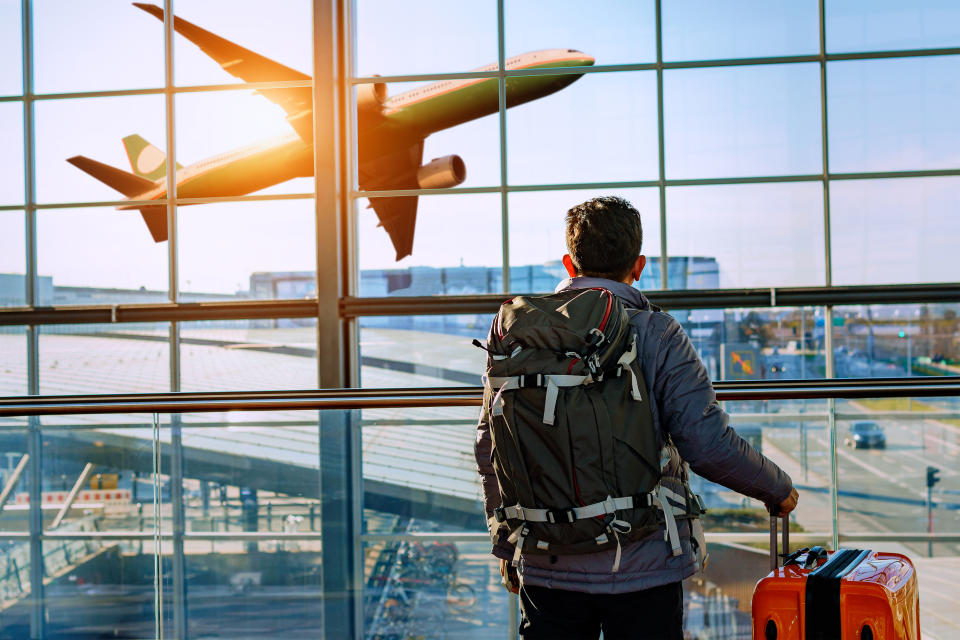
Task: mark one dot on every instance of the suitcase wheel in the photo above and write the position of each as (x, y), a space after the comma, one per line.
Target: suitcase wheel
(770, 631)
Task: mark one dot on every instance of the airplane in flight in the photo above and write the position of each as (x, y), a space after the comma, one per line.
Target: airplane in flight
(390, 131)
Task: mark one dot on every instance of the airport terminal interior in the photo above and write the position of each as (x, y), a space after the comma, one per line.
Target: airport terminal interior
(245, 247)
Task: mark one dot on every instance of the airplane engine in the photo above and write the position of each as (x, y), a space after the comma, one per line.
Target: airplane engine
(441, 173)
(370, 98)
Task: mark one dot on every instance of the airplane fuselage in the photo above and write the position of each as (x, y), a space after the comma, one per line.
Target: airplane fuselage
(407, 119)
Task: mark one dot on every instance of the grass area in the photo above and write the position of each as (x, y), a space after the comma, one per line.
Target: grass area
(740, 521)
(904, 404)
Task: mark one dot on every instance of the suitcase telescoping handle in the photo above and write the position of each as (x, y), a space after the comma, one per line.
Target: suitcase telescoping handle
(774, 556)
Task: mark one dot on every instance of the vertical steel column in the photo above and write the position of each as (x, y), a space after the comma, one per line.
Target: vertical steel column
(828, 264)
(330, 185)
(661, 153)
(349, 270)
(339, 471)
(339, 474)
(179, 596)
(32, 294)
(502, 115)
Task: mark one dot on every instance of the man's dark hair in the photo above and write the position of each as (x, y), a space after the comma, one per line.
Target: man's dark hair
(604, 237)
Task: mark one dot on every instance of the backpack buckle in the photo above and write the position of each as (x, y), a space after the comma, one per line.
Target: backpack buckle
(500, 514)
(642, 500)
(561, 515)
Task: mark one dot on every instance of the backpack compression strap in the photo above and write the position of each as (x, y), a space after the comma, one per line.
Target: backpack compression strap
(550, 381)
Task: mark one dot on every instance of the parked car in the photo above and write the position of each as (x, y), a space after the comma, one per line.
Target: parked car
(866, 434)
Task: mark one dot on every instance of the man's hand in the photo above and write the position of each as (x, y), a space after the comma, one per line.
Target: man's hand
(509, 578)
(785, 507)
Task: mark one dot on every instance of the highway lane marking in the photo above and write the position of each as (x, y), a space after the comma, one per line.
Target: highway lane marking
(880, 474)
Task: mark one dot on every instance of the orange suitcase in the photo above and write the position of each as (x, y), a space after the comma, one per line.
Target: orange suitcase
(849, 594)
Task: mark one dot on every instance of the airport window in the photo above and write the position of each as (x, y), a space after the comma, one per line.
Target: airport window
(603, 140)
(893, 115)
(705, 30)
(794, 165)
(11, 152)
(895, 231)
(613, 33)
(538, 233)
(13, 355)
(430, 36)
(742, 121)
(277, 353)
(877, 25)
(755, 235)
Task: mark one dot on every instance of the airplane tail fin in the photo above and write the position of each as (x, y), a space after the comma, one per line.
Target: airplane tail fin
(146, 160)
(131, 186)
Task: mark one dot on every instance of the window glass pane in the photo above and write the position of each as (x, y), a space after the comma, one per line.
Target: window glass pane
(760, 235)
(422, 351)
(449, 231)
(538, 234)
(757, 344)
(234, 143)
(420, 463)
(11, 49)
(890, 115)
(742, 121)
(701, 29)
(254, 242)
(11, 152)
(248, 355)
(891, 341)
(454, 120)
(95, 46)
(874, 25)
(429, 36)
(555, 140)
(94, 128)
(895, 231)
(14, 438)
(104, 358)
(883, 461)
(13, 361)
(612, 32)
(252, 472)
(12, 259)
(459, 591)
(279, 31)
(113, 470)
(71, 249)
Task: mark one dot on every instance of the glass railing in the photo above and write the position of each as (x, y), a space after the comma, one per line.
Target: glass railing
(357, 512)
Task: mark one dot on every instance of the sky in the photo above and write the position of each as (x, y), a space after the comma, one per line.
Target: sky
(883, 115)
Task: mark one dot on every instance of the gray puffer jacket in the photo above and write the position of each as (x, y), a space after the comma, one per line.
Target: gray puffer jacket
(685, 408)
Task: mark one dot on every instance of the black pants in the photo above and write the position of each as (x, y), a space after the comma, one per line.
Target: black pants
(654, 614)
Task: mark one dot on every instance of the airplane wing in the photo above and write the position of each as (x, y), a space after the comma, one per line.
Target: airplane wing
(251, 67)
(398, 215)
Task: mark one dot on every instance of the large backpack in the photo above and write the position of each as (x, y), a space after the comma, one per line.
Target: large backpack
(575, 451)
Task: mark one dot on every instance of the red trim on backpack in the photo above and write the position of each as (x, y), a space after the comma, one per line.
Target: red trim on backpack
(606, 313)
(572, 362)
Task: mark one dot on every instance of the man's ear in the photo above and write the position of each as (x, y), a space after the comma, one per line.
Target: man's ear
(638, 267)
(568, 263)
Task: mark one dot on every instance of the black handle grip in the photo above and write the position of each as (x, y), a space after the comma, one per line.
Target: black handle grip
(774, 554)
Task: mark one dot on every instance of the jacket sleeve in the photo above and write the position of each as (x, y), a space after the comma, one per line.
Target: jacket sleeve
(700, 429)
(482, 449)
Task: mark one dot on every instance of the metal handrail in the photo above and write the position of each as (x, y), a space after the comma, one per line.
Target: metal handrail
(330, 399)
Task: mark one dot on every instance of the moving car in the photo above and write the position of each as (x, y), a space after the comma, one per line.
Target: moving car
(865, 434)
